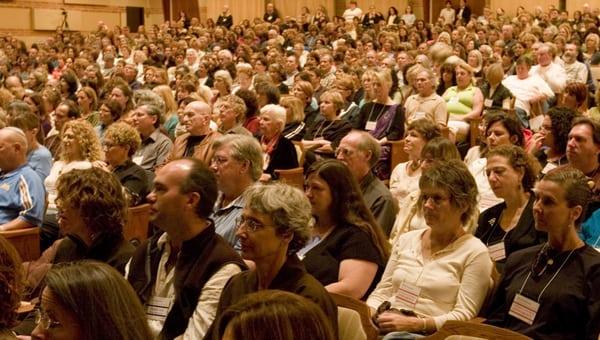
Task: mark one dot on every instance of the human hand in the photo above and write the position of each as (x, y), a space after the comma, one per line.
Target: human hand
(391, 321)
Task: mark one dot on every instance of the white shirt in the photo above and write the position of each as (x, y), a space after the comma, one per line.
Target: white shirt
(59, 168)
(453, 283)
(576, 72)
(526, 89)
(206, 309)
(350, 13)
(553, 74)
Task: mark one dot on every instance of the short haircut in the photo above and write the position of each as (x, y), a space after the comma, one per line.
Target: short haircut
(575, 185)
(202, 180)
(116, 110)
(278, 112)
(149, 97)
(509, 123)
(519, 159)
(295, 107)
(152, 110)
(73, 111)
(440, 149)
(237, 105)
(243, 148)
(425, 127)
(124, 134)
(368, 143)
(335, 97)
(561, 119)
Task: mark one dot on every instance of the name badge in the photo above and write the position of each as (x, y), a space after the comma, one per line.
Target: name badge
(370, 126)
(497, 252)
(158, 308)
(408, 294)
(549, 166)
(524, 309)
(138, 159)
(453, 100)
(488, 102)
(506, 104)
(419, 115)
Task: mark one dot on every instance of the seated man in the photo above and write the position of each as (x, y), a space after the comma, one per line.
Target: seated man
(237, 164)
(179, 273)
(360, 151)
(22, 193)
(198, 140)
(155, 145)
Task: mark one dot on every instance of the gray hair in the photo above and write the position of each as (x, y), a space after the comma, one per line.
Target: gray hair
(368, 143)
(16, 135)
(243, 148)
(148, 97)
(288, 207)
(225, 76)
(152, 110)
(278, 112)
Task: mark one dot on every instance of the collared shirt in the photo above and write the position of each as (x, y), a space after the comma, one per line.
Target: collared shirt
(153, 151)
(205, 311)
(432, 107)
(22, 196)
(225, 218)
(379, 199)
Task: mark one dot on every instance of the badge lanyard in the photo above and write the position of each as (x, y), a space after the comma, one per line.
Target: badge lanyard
(549, 282)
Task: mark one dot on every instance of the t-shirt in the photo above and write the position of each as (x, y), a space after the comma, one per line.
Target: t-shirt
(22, 196)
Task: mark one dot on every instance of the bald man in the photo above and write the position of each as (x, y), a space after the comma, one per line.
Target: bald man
(22, 191)
(197, 142)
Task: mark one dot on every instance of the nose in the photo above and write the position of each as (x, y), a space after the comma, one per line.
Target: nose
(428, 203)
(151, 197)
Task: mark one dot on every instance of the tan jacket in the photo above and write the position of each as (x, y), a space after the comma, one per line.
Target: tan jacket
(202, 151)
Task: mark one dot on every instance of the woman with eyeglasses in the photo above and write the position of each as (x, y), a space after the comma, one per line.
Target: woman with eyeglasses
(439, 273)
(274, 225)
(551, 291)
(89, 300)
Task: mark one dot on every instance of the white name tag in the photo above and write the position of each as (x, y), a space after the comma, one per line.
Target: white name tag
(419, 115)
(453, 100)
(408, 294)
(497, 252)
(138, 159)
(506, 104)
(158, 308)
(524, 309)
(549, 166)
(370, 126)
(488, 103)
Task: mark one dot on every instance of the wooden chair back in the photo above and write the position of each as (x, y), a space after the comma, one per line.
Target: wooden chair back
(363, 310)
(136, 226)
(476, 330)
(293, 177)
(596, 74)
(299, 152)
(398, 154)
(26, 241)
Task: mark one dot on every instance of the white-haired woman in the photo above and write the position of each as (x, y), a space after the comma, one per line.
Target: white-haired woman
(279, 152)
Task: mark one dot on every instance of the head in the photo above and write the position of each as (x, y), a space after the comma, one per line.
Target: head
(544, 55)
(13, 147)
(11, 281)
(272, 120)
(556, 127)
(575, 95)
(502, 129)
(232, 112)
(110, 111)
(91, 202)
(436, 150)
(523, 66)
(448, 193)
(146, 119)
(79, 141)
(237, 162)
(112, 310)
(120, 142)
(418, 133)
(303, 90)
(510, 169)
(66, 111)
(331, 103)
(495, 74)
(184, 192)
(275, 222)
(86, 98)
(561, 201)
(294, 109)
(583, 146)
(222, 81)
(359, 151)
(464, 74)
(29, 123)
(196, 118)
(271, 314)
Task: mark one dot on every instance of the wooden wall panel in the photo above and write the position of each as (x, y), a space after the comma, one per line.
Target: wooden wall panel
(49, 19)
(293, 8)
(247, 9)
(511, 6)
(15, 18)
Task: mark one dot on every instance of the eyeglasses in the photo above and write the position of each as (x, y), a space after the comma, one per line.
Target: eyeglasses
(344, 152)
(250, 225)
(218, 160)
(435, 199)
(42, 318)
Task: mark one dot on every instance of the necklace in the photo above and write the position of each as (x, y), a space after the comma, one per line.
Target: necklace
(378, 115)
(320, 131)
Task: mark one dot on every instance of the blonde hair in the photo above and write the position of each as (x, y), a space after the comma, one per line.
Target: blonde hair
(164, 91)
(294, 108)
(123, 134)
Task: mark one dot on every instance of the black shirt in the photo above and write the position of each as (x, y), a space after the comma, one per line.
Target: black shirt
(135, 179)
(192, 141)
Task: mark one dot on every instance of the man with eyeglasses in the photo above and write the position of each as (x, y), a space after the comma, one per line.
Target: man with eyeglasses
(179, 273)
(237, 164)
(360, 151)
(156, 146)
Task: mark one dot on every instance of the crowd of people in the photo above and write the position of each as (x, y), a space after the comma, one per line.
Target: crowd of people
(494, 213)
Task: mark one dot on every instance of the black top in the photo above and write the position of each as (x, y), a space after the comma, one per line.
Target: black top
(332, 131)
(310, 116)
(190, 146)
(225, 20)
(497, 97)
(373, 111)
(294, 131)
(135, 179)
(344, 242)
(522, 236)
(284, 156)
(271, 17)
(570, 305)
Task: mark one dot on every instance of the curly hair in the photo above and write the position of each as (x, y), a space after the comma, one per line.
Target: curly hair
(11, 283)
(288, 207)
(123, 134)
(348, 206)
(519, 159)
(99, 197)
(87, 138)
(561, 119)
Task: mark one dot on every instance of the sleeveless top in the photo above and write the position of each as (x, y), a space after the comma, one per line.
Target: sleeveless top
(459, 102)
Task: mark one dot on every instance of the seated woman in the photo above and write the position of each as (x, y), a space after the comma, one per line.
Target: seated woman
(279, 152)
(575, 96)
(232, 113)
(273, 226)
(110, 112)
(549, 144)
(495, 95)
(383, 119)
(405, 176)
(79, 148)
(38, 157)
(329, 129)
(87, 100)
(11, 281)
(439, 273)
(274, 314)
(120, 143)
(89, 300)
(295, 128)
(550, 291)
(508, 226)
(463, 101)
(92, 211)
(348, 250)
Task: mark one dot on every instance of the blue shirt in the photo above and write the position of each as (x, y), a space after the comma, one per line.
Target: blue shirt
(40, 160)
(22, 195)
(225, 219)
(590, 230)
